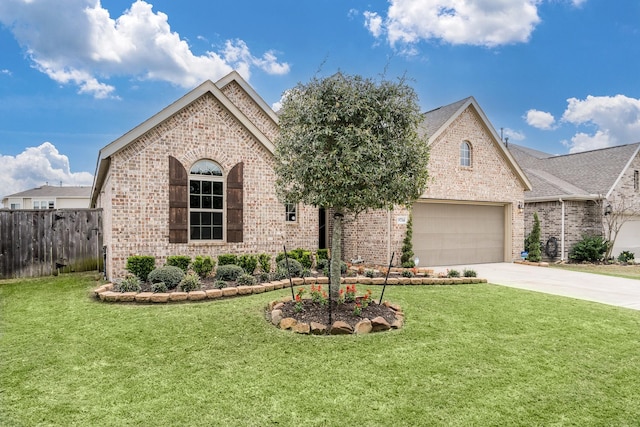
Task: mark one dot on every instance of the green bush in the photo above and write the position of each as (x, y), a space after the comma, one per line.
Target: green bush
(407, 273)
(295, 268)
(369, 273)
(280, 274)
(265, 262)
(626, 256)
(303, 256)
(249, 263)
(159, 287)
(170, 275)
(533, 241)
(407, 246)
(246, 280)
(141, 265)
(322, 254)
(219, 284)
(322, 264)
(589, 249)
(227, 259)
(453, 273)
(180, 261)
(229, 272)
(469, 273)
(203, 265)
(190, 282)
(130, 283)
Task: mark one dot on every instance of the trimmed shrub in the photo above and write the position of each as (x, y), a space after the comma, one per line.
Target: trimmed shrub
(159, 287)
(322, 264)
(453, 273)
(190, 282)
(246, 280)
(249, 263)
(170, 275)
(130, 283)
(533, 240)
(265, 262)
(203, 265)
(469, 273)
(229, 272)
(295, 268)
(369, 273)
(407, 273)
(141, 265)
(227, 259)
(219, 284)
(322, 254)
(626, 256)
(406, 259)
(589, 249)
(180, 261)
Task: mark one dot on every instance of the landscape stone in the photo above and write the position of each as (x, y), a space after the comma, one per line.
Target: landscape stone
(380, 324)
(268, 286)
(288, 323)
(197, 295)
(144, 297)
(244, 290)
(341, 328)
(128, 296)
(110, 296)
(276, 316)
(258, 289)
(230, 292)
(278, 306)
(301, 328)
(178, 296)
(318, 328)
(160, 297)
(363, 327)
(213, 293)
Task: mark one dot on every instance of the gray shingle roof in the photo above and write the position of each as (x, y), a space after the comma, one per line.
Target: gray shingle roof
(585, 174)
(53, 191)
(436, 118)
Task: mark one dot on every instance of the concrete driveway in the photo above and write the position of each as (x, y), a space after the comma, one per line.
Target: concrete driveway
(591, 287)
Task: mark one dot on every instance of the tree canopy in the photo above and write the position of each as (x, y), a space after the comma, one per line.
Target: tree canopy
(351, 143)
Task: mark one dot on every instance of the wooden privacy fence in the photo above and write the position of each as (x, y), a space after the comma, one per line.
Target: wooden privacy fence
(44, 242)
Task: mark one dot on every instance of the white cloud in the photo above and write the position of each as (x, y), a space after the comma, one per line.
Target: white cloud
(84, 46)
(540, 119)
(513, 135)
(36, 166)
(6, 72)
(473, 22)
(616, 120)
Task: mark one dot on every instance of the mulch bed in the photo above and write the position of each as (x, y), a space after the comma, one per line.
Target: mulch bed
(315, 312)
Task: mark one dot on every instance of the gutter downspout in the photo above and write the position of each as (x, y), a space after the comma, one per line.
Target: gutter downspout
(562, 231)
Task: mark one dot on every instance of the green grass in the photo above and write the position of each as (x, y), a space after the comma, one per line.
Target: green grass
(469, 355)
(617, 270)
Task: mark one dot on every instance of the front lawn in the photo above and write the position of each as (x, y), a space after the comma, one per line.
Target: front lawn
(467, 355)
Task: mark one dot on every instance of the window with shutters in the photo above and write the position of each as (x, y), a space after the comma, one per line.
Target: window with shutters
(206, 201)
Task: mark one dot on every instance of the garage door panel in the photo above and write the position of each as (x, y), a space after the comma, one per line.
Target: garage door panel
(448, 234)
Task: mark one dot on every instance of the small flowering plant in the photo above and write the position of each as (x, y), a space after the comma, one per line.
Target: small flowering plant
(299, 307)
(319, 295)
(366, 299)
(357, 309)
(350, 294)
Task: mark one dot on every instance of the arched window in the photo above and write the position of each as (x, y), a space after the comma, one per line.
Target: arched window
(465, 154)
(206, 201)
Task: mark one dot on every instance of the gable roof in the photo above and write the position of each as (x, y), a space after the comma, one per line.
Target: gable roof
(436, 121)
(215, 89)
(589, 175)
(54, 191)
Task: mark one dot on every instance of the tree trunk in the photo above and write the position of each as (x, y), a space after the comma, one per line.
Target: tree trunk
(336, 256)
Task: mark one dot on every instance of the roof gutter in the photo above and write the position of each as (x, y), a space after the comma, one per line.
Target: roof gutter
(581, 198)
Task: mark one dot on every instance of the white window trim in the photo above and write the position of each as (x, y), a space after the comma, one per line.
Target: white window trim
(210, 178)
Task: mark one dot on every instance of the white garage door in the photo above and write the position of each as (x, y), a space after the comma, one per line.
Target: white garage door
(452, 234)
(628, 237)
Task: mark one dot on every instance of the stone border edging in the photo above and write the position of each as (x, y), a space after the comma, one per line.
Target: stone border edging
(536, 264)
(364, 326)
(107, 294)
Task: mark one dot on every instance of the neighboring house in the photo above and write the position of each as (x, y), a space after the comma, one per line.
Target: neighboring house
(49, 197)
(197, 179)
(468, 214)
(574, 193)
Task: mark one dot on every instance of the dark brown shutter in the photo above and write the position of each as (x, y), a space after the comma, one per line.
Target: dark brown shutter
(235, 204)
(178, 202)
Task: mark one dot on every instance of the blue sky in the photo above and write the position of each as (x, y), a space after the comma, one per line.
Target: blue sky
(556, 75)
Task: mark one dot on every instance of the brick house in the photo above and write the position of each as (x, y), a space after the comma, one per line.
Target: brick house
(197, 179)
(469, 213)
(574, 193)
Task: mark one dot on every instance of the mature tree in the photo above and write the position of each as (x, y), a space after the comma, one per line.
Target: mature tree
(349, 144)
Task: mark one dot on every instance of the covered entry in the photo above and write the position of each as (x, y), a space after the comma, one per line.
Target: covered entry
(457, 233)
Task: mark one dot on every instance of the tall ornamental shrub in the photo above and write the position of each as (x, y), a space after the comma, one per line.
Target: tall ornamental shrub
(535, 253)
(407, 246)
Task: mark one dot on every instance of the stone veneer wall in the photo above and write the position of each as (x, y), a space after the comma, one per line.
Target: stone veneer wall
(489, 179)
(581, 218)
(136, 199)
